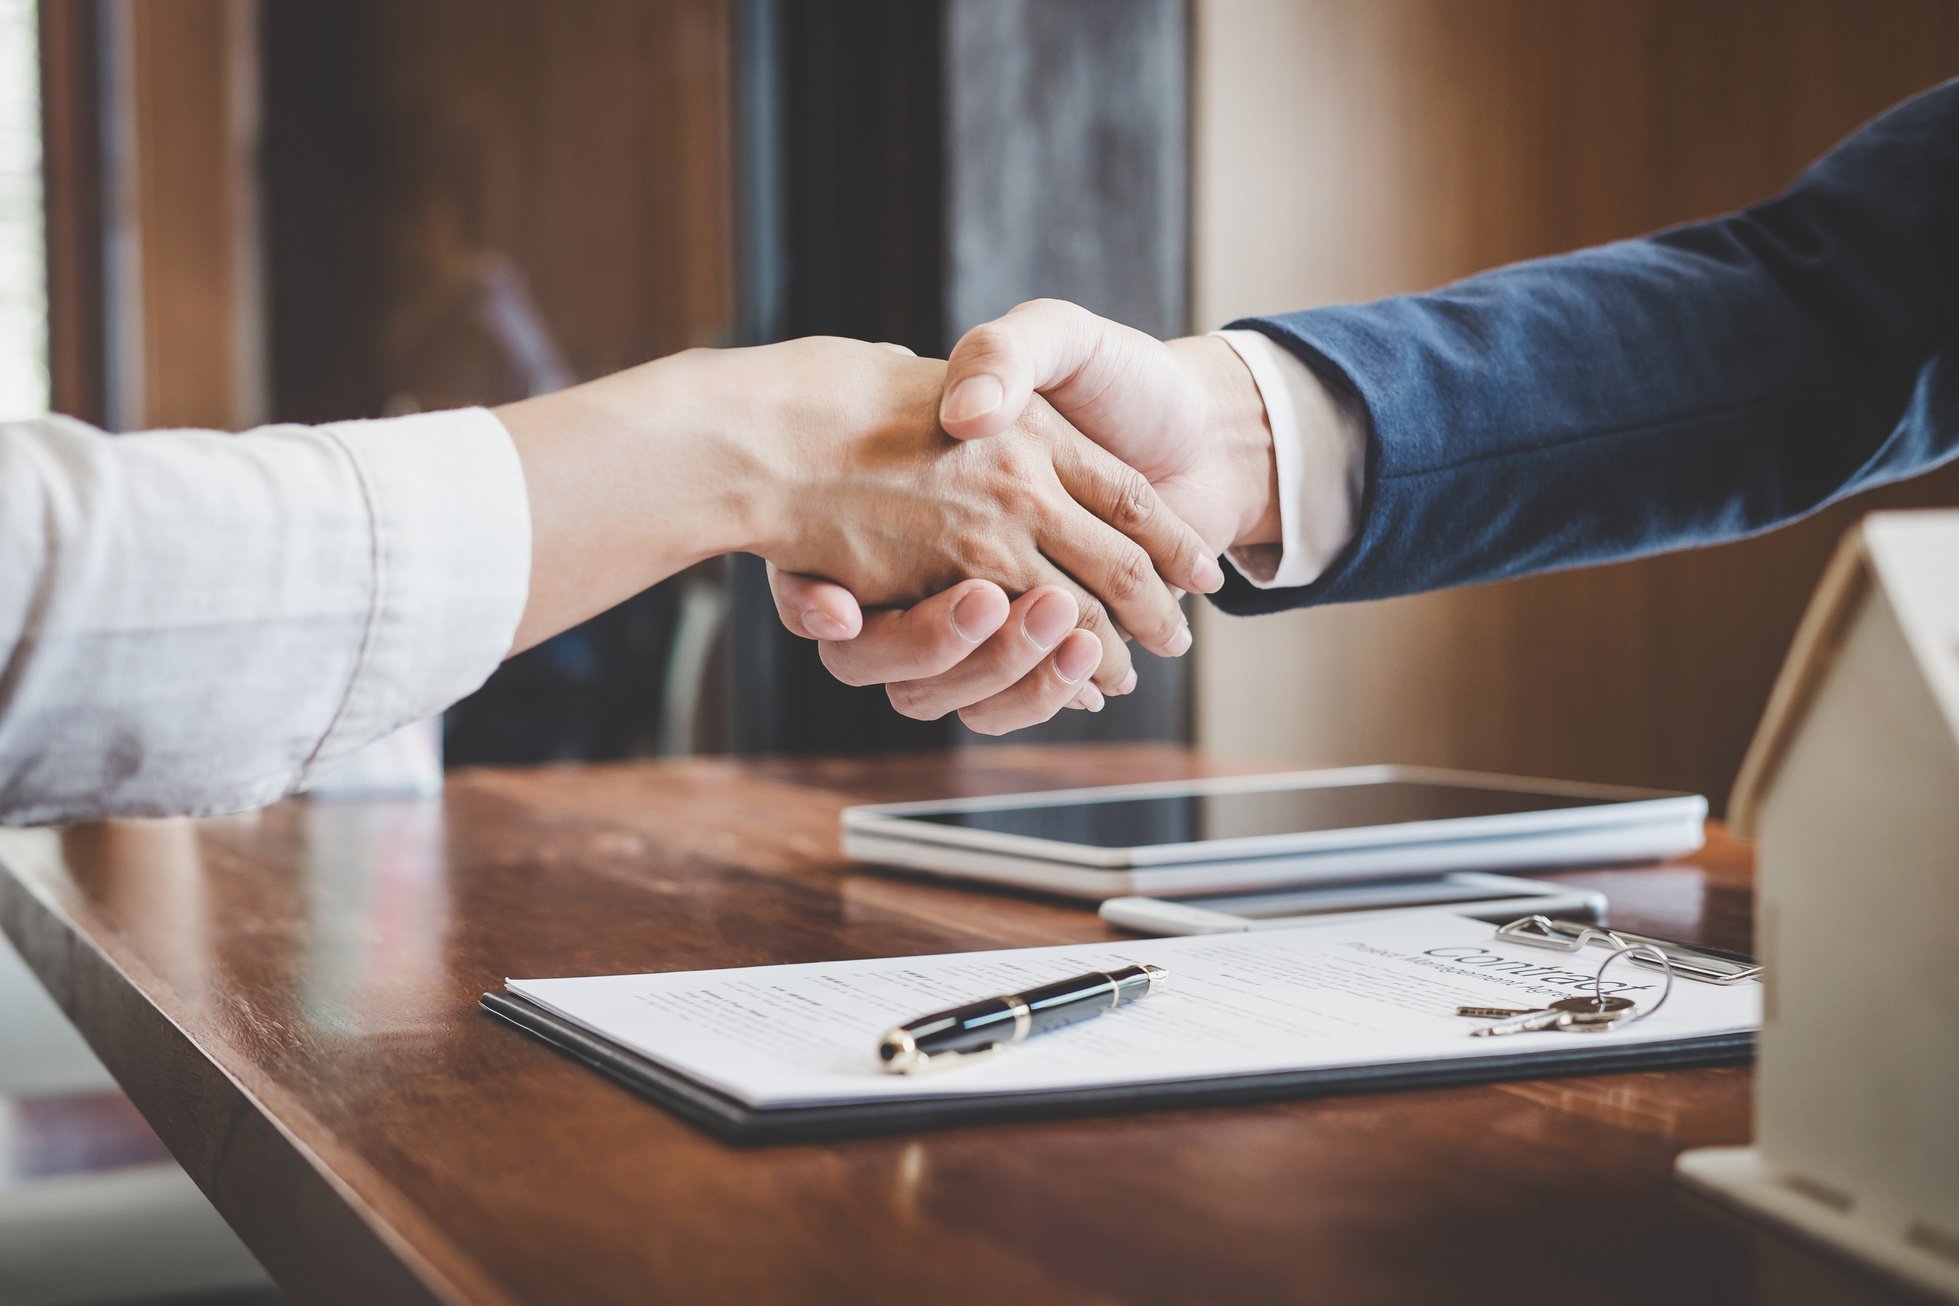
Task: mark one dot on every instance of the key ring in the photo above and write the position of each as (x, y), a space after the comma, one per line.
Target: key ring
(1666, 964)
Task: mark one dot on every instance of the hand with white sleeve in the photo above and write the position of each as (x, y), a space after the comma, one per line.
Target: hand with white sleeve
(194, 622)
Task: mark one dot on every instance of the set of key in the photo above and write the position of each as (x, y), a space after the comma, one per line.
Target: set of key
(1590, 1014)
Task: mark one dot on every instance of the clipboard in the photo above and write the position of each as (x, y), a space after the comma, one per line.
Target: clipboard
(734, 1119)
(736, 1122)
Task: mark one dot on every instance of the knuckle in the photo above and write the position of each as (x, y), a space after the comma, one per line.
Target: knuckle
(909, 700)
(1048, 306)
(987, 341)
(981, 553)
(972, 543)
(1162, 625)
(1020, 461)
(1094, 616)
(1033, 434)
(1133, 502)
(1131, 576)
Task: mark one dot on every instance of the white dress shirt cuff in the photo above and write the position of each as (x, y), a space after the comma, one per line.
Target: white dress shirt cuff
(1319, 448)
(452, 558)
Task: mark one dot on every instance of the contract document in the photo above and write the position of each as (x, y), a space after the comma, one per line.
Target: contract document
(1363, 1001)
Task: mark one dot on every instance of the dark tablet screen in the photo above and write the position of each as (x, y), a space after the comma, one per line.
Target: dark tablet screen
(1192, 818)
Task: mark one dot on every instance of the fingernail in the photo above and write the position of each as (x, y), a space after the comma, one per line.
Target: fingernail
(1128, 685)
(1090, 697)
(1179, 643)
(821, 625)
(976, 396)
(979, 614)
(1076, 659)
(1207, 576)
(1048, 620)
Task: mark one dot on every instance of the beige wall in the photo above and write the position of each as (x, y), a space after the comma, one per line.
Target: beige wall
(1346, 149)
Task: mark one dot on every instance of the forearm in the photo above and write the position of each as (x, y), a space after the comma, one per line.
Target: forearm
(1694, 386)
(633, 478)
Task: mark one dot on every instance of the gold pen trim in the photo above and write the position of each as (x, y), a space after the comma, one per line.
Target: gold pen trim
(1023, 1017)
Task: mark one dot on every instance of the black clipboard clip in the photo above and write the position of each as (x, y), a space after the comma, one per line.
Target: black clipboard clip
(1708, 965)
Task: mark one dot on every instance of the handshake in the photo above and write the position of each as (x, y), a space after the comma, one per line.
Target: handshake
(988, 540)
(981, 535)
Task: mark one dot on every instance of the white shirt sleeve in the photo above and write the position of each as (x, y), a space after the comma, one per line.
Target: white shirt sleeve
(190, 622)
(1319, 444)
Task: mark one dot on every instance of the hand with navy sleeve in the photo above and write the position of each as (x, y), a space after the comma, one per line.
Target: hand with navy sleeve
(1700, 384)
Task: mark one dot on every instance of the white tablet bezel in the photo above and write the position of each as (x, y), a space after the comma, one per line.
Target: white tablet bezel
(1620, 806)
(1476, 893)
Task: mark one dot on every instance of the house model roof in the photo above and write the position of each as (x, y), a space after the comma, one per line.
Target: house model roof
(1912, 559)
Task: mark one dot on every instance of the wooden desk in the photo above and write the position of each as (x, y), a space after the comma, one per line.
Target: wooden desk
(291, 1001)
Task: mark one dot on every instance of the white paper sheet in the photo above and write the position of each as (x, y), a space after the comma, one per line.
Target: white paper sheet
(1361, 991)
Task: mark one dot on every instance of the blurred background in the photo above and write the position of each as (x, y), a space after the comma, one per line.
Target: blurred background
(226, 212)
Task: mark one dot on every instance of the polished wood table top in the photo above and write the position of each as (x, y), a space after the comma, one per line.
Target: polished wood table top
(290, 999)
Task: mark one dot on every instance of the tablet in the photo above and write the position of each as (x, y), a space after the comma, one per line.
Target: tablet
(1251, 832)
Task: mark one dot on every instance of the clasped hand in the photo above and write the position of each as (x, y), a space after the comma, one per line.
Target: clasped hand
(878, 499)
(832, 459)
(1184, 413)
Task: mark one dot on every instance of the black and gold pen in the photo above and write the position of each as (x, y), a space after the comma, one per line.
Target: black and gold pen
(948, 1037)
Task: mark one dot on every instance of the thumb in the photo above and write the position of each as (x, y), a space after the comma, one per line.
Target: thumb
(1046, 345)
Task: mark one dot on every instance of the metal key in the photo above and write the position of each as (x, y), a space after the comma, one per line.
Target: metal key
(1526, 1024)
(1595, 1015)
(1598, 1006)
(1588, 1015)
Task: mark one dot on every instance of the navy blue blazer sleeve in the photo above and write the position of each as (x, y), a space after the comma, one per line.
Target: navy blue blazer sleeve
(1693, 386)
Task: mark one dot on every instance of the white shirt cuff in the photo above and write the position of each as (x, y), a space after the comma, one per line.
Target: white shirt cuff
(1319, 448)
(452, 562)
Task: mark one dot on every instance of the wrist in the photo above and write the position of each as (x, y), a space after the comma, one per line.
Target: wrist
(1239, 436)
(647, 471)
(729, 448)
(814, 426)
